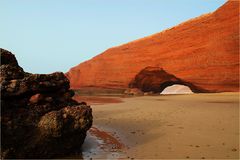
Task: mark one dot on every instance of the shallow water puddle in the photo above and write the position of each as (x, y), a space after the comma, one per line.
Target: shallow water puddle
(101, 144)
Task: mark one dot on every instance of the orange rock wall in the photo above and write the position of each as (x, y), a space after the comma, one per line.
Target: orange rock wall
(203, 51)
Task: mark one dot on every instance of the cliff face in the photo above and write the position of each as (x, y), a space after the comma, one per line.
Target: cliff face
(203, 51)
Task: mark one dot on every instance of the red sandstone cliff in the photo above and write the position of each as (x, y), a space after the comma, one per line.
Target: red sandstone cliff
(203, 51)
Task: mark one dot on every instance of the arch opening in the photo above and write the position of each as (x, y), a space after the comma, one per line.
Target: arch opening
(177, 89)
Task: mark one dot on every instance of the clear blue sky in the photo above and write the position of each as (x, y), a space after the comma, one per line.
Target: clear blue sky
(55, 35)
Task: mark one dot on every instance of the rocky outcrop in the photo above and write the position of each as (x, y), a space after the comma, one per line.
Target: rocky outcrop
(133, 92)
(39, 118)
(203, 51)
(154, 79)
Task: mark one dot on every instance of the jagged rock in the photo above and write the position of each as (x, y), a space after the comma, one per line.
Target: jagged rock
(133, 92)
(36, 98)
(35, 83)
(39, 118)
(155, 79)
(9, 72)
(8, 58)
(9, 67)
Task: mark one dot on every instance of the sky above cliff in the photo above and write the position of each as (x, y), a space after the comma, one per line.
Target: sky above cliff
(55, 35)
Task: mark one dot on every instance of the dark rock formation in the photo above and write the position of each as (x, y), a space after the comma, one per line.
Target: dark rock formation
(39, 118)
(133, 92)
(154, 79)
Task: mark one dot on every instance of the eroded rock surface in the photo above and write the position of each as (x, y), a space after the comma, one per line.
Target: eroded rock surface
(39, 118)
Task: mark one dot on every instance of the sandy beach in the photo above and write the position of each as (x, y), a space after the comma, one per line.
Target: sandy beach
(196, 126)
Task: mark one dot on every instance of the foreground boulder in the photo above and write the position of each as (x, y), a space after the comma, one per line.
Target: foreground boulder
(39, 118)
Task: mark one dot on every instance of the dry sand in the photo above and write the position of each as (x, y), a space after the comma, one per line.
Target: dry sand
(197, 126)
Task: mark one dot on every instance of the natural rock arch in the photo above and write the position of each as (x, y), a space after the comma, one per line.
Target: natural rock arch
(155, 79)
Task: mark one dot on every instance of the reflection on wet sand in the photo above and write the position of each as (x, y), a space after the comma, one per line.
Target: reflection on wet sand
(103, 145)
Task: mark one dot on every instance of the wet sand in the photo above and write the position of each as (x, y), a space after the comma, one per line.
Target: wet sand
(102, 145)
(97, 100)
(197, 126)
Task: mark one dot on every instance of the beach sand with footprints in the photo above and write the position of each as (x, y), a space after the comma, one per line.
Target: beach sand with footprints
(195, 126)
